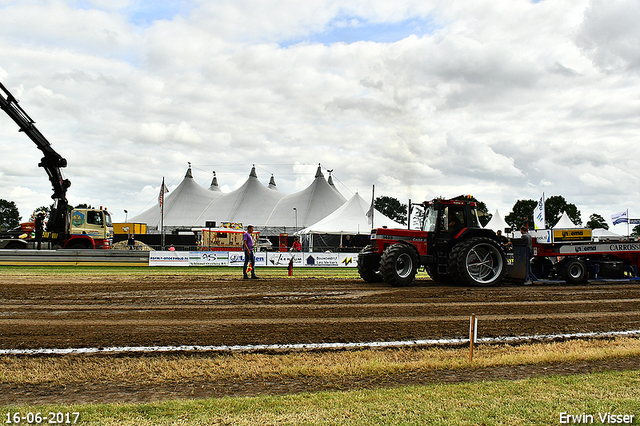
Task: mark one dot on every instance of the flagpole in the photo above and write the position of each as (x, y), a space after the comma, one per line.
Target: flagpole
(628, 232)
(162, 215)
(373, 198)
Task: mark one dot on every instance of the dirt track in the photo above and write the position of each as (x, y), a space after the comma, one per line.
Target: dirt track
(194, 310)
(157, 310)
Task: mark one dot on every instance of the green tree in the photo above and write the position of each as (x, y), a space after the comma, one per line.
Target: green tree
(521, 214)
(553, 208)
(392, 208)
(596, 221)
(9, 215)
(635, 232)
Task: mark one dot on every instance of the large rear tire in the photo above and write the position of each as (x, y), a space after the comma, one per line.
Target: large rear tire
(398, 265)
(369, 265)
(478, 262)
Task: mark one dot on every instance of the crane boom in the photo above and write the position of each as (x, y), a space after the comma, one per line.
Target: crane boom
(51, 162)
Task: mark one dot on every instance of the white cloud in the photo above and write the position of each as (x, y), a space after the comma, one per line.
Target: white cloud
(501, 99)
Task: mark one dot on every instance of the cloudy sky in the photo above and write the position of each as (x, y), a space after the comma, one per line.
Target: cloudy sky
(502, 99)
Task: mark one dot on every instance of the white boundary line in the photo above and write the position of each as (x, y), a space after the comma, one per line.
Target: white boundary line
(306, 346)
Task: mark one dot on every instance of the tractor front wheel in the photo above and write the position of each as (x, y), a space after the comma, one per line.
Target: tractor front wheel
(369, 265)
(398, 265)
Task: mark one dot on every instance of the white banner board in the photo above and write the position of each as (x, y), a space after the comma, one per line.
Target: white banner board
(169, 258)
(236, 258)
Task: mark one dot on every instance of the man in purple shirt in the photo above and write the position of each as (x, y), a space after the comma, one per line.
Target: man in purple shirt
(249, 259)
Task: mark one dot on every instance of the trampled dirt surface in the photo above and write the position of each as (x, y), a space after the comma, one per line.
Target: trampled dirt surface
(173, 310)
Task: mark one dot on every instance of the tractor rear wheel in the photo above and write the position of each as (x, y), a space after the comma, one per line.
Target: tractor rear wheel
(398, 265)
(478, 261)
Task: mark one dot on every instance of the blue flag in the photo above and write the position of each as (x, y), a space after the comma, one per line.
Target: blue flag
(622, 217)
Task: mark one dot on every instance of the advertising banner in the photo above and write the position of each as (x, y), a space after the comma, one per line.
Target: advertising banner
(208, 258)
(283, 259)
(236, 258)
(169, 258)
(572, 235)
(600, 248)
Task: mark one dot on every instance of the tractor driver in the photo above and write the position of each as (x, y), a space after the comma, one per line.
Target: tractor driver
(455, 217)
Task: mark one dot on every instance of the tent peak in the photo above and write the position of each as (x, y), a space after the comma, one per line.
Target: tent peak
(319, 172)
(272, 182)
(214, 181)
(253, 172)
(189, 174)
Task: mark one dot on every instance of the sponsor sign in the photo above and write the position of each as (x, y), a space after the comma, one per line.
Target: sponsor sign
(612, 247)
(208, 258)
(542, 236)
(572, 235)
(283, 259)
(169, 258)
(236, 258)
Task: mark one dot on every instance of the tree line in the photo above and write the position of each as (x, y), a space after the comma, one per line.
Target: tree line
(521, 213)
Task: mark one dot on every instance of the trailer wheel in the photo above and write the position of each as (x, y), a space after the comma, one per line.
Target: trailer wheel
(478, 261)
(398, 265)
(369, 265)
(573, 271)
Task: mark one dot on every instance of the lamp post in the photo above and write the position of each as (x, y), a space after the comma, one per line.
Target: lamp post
(126, 216)
(296, 211)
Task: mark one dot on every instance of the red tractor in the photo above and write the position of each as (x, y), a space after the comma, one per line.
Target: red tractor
(451, 246)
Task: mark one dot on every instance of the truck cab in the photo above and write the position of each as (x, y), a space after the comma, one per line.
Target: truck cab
(90, 228)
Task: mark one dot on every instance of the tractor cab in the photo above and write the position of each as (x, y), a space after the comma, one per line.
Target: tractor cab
(447, 216)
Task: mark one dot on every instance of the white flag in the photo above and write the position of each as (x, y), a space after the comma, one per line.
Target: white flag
(538, 215)
(370, 211)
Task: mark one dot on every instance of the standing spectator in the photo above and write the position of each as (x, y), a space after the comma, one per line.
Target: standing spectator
(249, 258)
(528, 253)
(131, 242)
(348, 243)
(296, 246)
(39, 229)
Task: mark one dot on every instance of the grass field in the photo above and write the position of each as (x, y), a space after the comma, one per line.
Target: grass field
(539, 401)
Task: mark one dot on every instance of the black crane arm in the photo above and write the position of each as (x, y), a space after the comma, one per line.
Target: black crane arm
(51, 162)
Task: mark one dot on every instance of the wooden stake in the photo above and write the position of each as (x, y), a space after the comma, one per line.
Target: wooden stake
(473, 332)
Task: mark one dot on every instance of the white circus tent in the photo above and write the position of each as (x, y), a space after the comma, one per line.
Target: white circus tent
(252, 203)
(183, 206)
(564, 222)
(306, 207)
(497, 223)
(351, 219)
